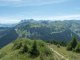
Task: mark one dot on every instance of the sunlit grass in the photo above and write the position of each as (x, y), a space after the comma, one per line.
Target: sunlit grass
(68, 54)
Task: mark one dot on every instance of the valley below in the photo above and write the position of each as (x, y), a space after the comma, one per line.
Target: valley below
(40, 40)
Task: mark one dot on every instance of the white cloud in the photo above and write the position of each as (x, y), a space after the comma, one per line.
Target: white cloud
(67, 17)
(28, 2)
(10, 19)
(64, 17)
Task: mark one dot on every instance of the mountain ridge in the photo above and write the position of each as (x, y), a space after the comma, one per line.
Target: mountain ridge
(60, 31)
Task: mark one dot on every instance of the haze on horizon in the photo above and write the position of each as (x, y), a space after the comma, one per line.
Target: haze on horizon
(12, 11)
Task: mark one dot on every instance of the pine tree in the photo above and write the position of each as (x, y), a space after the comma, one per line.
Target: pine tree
(24, 49)
(34, 51)
(72, 44)
(77, 49)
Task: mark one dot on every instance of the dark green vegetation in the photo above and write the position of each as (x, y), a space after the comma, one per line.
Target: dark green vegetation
(77, 48)
(34, 51)
(74, 45)
(26, 49)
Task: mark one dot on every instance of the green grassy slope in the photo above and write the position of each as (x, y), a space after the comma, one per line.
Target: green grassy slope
(12, 52)
(67, 54)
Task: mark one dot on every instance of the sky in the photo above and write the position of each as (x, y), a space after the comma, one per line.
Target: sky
(12, 11)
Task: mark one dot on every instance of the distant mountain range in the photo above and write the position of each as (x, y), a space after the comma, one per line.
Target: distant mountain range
(7, 35)
(44, 30)
(7, 25)
(49, 30)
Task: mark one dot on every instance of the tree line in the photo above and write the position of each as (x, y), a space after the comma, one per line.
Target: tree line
(74, 45)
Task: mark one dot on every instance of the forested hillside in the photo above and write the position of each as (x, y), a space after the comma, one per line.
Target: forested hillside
(49, 30)
(60, 31)
(7, 35)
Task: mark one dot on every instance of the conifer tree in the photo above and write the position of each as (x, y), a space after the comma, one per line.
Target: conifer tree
(77, 49)
(72, 44)
(24, 49)
(34, 51)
